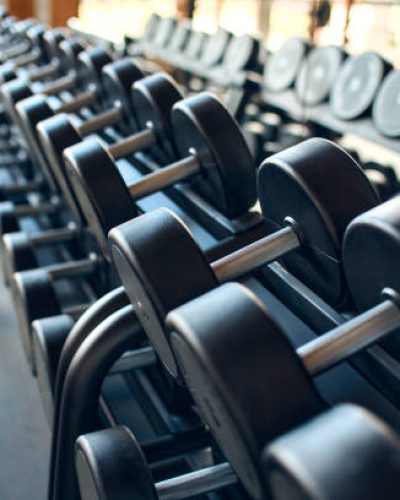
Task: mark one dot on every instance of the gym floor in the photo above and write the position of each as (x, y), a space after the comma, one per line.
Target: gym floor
(24, 432)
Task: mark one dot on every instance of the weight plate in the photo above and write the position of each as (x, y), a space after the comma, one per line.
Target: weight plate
(318, 185)
(7, 73)
(204, 127)
(36, 36)
(30, 112)
(282, 67)
(386, 108)
(241, 54)
(360, 458)
(68, 52)
(99, 188)
(89, 65)
(52, 38)
(237, 363)
(153, 98)
(317, 74)
(356, 86)
(48, 337)
(158, 276)
(117, 80)
(370, 250)
(18, 254)
(111, 464)
(214, 48)
(13, 92)
(54, 135)
(34, 297)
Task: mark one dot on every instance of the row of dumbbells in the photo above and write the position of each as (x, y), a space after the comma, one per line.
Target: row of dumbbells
(214, 341)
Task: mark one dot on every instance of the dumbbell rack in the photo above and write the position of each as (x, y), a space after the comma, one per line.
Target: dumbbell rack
(370, 378)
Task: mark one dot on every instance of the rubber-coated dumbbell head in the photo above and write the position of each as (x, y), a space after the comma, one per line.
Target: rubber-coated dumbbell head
(346, 452)
(320, 206)
(117, 80)
(34, 297)
(222, 348)
(370, 250)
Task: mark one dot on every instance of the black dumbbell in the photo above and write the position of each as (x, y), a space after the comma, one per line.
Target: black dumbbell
(298, 196)
(297, 466)
(219, 167)
(89, 65)
(150, 109)
(41, 57)
(238, 362)
(153, 100)
(116, 78)
(283, 66)
(357, 84)
(318, 73)
(36, 108)
(110, 463)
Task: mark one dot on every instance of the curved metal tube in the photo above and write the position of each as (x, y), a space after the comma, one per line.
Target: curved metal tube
(82, 386)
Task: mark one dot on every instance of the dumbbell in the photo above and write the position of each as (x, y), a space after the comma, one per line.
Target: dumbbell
(238, 369)
(41, 57)
(50, 334)
(36, 108)
(153, 98)
(89, 65)
(116, 78)
(298, 195)
(111, 464)
(297, 466)
(149, 110)
(219, 167)
(35, 294)
(15, 43)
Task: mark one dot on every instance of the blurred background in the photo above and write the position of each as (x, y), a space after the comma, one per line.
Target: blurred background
(358, 25)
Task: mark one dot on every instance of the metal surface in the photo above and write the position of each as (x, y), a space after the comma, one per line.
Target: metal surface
(349, 338)
(196, 483)
(79, 101)
(256, 254)
(102, 120)
(74, 268)
(54, 236)
(164, 177)
(135, 142)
